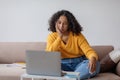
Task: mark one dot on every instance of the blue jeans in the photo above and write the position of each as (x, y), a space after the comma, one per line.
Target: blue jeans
(79, 65)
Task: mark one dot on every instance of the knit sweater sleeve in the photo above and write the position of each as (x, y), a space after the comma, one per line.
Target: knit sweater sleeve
(86, 48)
(53, 42)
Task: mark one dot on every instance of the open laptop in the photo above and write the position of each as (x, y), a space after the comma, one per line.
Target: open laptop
(43, 63)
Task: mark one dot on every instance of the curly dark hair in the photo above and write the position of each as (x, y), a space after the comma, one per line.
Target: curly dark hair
(73, 24)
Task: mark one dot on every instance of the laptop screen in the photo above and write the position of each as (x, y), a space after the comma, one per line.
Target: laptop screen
(43, 63)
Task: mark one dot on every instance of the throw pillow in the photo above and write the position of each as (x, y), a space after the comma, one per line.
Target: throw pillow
(107, 64)
(115, 55)
(118, 68)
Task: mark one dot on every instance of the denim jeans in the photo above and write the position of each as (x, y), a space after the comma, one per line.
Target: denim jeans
(79, 65)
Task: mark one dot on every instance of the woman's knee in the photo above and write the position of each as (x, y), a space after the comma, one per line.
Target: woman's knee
(84, 70)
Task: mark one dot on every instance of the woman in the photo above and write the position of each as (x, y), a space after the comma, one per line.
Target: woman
(76, 53)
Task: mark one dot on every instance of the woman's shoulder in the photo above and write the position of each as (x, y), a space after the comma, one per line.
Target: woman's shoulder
(52, 34)
(79, 35)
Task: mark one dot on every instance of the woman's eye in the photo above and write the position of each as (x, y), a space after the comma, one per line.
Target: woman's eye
(59, 22)
(65, 24)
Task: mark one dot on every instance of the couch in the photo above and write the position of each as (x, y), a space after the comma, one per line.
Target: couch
(14, 52)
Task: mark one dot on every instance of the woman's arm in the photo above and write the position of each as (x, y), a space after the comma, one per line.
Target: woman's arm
(86, 48)
(89, 53)
(53, 42)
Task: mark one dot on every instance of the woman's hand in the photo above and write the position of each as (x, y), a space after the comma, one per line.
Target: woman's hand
(59, 32)
(92, 65)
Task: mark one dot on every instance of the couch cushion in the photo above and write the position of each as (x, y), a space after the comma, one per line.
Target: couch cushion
(11, 72)
(106, 64)
(106, 76)
(8, 72)
(102, 50)
(118, 68)
(11, 52)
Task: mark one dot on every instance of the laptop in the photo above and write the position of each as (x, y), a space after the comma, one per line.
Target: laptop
(43, 63)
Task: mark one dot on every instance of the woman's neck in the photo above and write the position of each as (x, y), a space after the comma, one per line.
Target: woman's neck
(66, 33)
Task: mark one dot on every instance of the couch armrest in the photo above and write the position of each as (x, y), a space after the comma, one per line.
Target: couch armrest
(118, 68)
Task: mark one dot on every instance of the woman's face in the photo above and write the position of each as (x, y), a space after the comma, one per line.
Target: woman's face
(62, 24)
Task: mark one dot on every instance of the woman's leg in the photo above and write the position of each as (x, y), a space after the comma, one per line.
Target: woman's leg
(71, 63)
(84, 70)
(66, 65)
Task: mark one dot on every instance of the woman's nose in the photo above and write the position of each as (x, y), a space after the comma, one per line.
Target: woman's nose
(61, 25)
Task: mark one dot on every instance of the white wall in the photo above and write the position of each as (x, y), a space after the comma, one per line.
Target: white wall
(27, 20)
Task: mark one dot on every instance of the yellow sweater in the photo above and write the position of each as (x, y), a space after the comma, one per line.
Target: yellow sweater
(76, 46)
